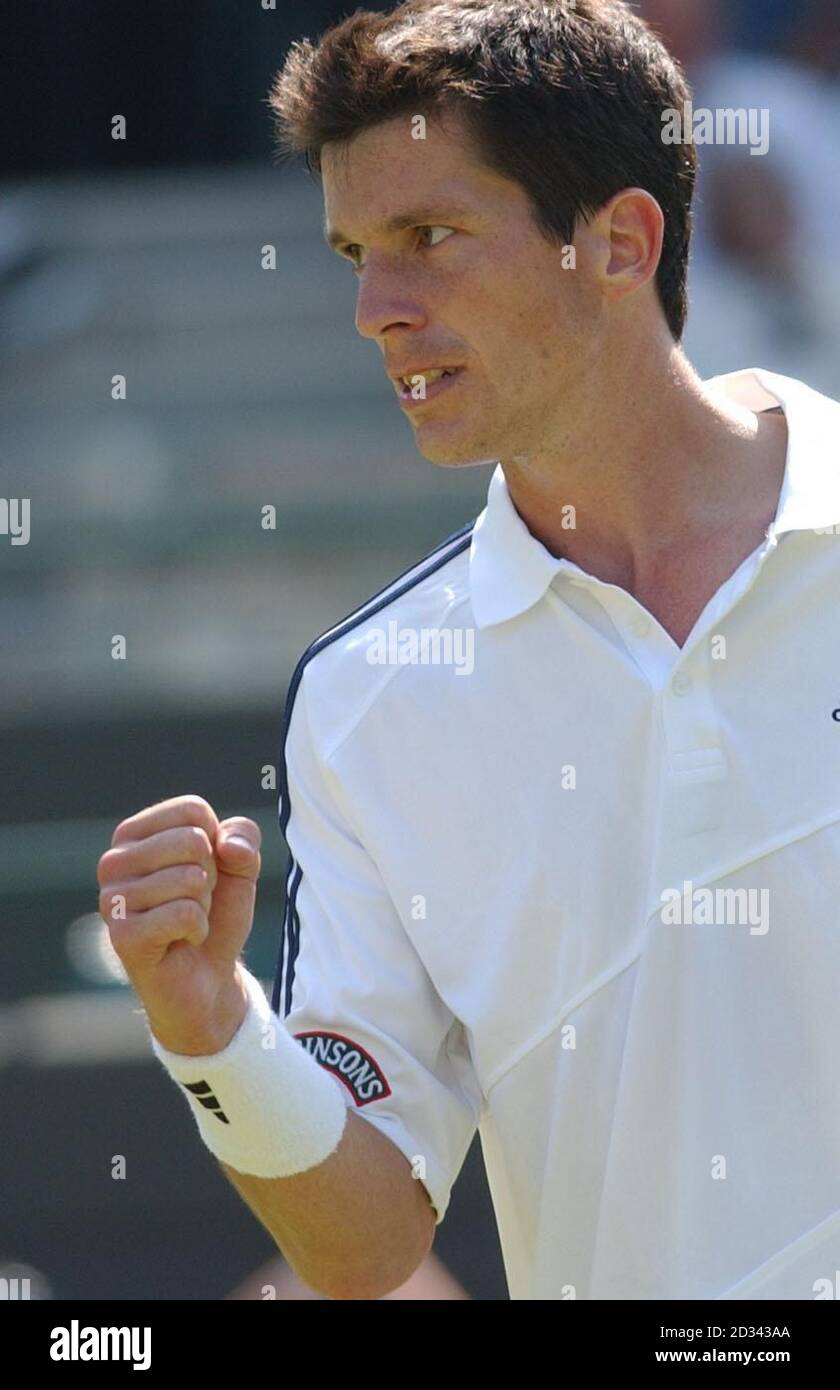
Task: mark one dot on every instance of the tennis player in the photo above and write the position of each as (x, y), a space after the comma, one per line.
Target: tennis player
(562, 800)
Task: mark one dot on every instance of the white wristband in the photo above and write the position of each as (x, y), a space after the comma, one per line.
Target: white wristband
(263, 1105)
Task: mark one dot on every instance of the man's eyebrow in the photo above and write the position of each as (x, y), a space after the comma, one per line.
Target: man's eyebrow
(414, 217)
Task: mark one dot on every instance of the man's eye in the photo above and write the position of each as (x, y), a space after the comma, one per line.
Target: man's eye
(352, 252)
(432, 230)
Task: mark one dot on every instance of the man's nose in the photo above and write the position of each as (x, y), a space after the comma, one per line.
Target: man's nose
(384, 301)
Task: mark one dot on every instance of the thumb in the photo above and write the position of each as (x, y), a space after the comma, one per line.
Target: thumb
(238, 863)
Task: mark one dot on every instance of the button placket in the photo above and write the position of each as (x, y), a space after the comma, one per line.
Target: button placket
(648, 645)
(697, 771)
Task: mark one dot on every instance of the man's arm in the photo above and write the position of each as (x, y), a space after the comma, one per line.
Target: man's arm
(354, 1227)
(177, 891)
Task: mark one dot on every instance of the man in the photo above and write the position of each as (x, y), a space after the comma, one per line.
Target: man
(581, 889)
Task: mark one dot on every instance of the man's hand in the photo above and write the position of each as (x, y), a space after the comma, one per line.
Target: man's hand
(178, 889)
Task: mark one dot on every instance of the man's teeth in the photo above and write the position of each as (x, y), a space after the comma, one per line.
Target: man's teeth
(427, 377)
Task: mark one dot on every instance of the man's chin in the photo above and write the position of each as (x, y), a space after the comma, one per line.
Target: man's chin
(451, 456)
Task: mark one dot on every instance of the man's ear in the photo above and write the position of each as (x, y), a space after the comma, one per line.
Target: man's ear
(627, 234)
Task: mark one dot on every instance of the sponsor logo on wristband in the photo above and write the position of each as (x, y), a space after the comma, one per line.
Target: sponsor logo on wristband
(204, 1095)
(349, 1061)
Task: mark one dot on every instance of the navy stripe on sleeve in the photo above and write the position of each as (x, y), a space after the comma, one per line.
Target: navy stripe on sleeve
(290, 932)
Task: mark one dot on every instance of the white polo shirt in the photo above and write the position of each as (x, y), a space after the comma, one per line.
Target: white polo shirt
(510, 898)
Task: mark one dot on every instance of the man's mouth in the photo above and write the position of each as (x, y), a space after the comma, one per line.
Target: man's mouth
(418, 387)
(431, 375)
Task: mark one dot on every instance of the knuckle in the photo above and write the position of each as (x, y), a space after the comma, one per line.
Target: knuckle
(199, 810)
(186, 912)
(194, 878)
(196, 842)
(111, 865)
(122, 831)
(115, 857)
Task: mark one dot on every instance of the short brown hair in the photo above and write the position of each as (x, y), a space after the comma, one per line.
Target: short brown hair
(565, 97)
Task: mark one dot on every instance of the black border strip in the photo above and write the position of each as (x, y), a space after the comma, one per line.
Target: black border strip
(290, 931)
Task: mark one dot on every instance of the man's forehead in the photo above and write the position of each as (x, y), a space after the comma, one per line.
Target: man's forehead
(415, 144)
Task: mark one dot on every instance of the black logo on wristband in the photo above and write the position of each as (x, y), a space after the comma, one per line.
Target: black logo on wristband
(203, 1094)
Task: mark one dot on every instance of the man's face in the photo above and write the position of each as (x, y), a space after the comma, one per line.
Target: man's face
(469, 283)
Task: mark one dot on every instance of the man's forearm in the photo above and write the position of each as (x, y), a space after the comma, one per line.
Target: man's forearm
(353, 1227)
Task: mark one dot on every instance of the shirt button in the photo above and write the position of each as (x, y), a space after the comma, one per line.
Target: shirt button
(681, 684)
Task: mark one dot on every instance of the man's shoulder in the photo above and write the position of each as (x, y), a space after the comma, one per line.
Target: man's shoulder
(760, 389)
(340, 668)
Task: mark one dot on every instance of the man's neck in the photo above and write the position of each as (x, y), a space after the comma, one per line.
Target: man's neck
(660, 472)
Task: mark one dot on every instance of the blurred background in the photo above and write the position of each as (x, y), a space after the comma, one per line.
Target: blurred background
(246, 389)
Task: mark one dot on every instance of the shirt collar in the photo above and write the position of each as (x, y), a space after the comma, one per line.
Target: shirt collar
(510, 569)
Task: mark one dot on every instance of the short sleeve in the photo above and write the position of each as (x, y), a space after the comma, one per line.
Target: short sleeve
(350, 985)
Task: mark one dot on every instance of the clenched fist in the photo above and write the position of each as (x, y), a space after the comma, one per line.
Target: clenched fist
(178, 889)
